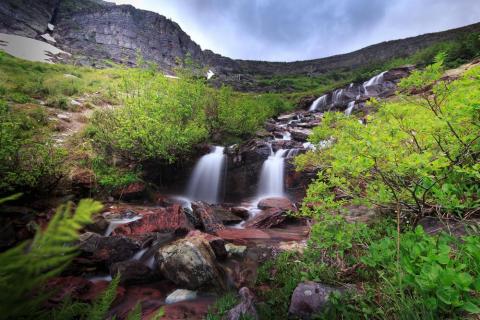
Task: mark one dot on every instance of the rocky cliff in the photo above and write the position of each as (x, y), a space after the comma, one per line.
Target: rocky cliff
(96, 31)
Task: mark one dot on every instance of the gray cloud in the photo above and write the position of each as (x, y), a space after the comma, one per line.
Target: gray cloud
(286, 30)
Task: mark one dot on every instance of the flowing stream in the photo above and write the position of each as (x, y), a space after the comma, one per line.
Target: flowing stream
(207, 177)
(271, 176)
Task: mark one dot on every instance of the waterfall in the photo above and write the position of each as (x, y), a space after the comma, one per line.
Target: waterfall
(350, 107)
(207, 177)
(319, 102)
(271, 177)
(373, 82)
(337, 95)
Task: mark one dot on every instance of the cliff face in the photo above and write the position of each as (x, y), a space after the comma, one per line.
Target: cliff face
(95, 30)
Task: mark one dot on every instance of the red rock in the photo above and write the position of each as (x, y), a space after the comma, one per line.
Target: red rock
(204, 213)
(267, 218)
(277, 202)
(240, 212)
(156, 220)
(132, 191)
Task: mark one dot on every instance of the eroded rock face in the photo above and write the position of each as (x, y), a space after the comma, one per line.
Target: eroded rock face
(308, 299)
(268, 218)
(190, 263)
(207, 218)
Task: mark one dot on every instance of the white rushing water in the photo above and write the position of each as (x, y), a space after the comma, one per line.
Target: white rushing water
(337, 95)
(373, 82)
(271, 177)
(320, 102)
(207, 176)
(350, 107)
(113, 223)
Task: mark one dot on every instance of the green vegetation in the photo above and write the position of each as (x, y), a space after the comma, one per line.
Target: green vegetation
(28, 158)
(460, 51)
(417, 156)
(222, 306)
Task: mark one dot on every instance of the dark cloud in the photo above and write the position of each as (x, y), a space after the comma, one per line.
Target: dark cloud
(286, 30)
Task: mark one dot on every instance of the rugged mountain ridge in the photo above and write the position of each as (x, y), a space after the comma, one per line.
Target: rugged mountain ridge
(96, 31)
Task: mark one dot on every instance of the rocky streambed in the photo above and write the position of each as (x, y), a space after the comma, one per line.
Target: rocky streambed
(182, 253)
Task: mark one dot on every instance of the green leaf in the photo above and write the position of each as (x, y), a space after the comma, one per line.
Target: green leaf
(471, 307)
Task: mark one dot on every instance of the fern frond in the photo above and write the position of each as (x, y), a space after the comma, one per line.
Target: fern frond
(100, 308)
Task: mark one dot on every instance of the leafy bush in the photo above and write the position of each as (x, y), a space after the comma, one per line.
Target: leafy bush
(28, 157)
(421, 153)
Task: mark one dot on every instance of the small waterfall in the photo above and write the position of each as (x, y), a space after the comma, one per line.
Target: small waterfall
(271, 177)
(373, 82)
(350, 107)
(207, 177)
(319, 102)
(337, 96)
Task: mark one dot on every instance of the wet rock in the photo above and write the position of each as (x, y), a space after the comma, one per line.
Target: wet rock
(300, 134)
(205, 214)
(235, 250)
(180, 295)
(99, 225)
(190, 263)
(95, 248)
(240, 212)
(268, 218)
(308, 299)
(225, 216)
(217, 244)
(278, 203)
(132, 271)
(82, 180)
(171, 219)
(246, 307)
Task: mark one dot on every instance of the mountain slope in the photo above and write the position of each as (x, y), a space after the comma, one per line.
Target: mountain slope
(95, 30)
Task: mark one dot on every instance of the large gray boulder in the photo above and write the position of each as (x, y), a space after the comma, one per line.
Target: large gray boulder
(308, 299)
(190, 263)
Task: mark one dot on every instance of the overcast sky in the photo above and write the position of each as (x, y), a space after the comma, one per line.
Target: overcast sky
(287, 30)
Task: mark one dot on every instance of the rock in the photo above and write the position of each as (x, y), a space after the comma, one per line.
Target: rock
(98, 249)
(132, 271)
(225, 216)
(209, 221)
(300, 134)
(133, 191)
(434, 225)
(190, 263)
(241, 212)
(99, 225)
(246, 307)
(268, 218)
(308, 299)
(278, 203)
(180, 295)
(156, 219)
(217, 244)
(234, 250)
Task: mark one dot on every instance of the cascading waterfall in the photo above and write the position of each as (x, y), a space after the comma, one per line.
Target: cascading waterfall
(350, 107)
(271, 177)
(207, 177)
(373, 82)
(319, 102)
(337, 95)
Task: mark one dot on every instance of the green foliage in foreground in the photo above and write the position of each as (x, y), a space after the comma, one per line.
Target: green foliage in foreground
(23, 269)
(28, 158)
(222, 306)
(420, 153)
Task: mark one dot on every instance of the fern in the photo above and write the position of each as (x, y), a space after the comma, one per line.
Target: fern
(100, 308)
(136, 313)
(24, 268)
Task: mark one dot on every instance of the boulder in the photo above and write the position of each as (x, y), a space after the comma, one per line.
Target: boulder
(235, 250)
(95, 248)
(246, 307)
(241, 212)
(190, 263)
(171, 219)
(132, 271)
(268, 218)
(225, 216)
(300, 134)
(180, 295)
(308, 299)
(277, 203)
(208, 220)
